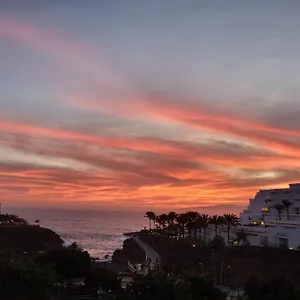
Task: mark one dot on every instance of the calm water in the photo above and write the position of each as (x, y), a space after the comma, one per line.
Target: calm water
(98, 232)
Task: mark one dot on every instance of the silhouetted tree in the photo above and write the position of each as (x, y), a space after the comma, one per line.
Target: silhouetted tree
(159, 285)
(216, 221)
(162, 221)
(287, 204)
(230, 220)
(182, 220)
(192, 217)
(151, 216)
(279, 207)
(11, 219)
(203, 222)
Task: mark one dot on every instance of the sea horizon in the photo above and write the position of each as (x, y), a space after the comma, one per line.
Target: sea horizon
(98, 232)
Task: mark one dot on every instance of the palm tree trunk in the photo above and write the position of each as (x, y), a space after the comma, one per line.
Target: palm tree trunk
(288, 214)
(216, 230)
(228, 233)
(150, 224)
(205, 235)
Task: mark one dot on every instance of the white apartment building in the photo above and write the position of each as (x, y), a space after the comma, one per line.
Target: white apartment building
(262, 224)
(261, 209)
(265, 226)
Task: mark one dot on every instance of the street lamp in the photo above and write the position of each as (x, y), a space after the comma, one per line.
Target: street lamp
(225, 274)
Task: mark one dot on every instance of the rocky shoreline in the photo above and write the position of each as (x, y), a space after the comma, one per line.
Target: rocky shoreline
(130, 252)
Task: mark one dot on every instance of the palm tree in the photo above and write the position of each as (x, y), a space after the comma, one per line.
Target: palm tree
(151, 216)
(162, 221)
(230, 220)
(193, 217)
(172, 218)
(216, 221)
(182, 220)
(287, 204)
(37, 222)
(279, 207)
(171, 221)
(203, 221)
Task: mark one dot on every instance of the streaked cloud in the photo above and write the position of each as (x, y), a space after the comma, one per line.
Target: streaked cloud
(127, 125)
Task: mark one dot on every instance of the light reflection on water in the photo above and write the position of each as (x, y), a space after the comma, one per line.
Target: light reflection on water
(98, 232)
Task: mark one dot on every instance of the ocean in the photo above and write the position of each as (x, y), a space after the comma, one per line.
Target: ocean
(98, 232)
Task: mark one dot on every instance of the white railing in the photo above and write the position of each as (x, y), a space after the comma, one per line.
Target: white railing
(135, 267)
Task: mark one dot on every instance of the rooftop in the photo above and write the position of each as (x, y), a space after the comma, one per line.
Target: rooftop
(294, 185)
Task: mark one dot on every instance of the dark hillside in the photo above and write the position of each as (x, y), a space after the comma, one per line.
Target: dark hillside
(30, 238)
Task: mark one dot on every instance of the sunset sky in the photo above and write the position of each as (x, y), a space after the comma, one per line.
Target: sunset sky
(148, 104)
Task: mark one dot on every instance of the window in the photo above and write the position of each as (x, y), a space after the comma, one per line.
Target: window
(265, 209)
(255, 223)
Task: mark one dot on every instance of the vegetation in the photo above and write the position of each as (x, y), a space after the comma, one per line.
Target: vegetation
(21, 276)
(230, 220)
(30, 238)
(241, 238)
(11, 219)
(217, 221)
(287, 204)
(41, 272)
(274, 289)
(159, 285)
(190, 223)
(279, 207)
(217, 243)
(68, 262)
(23, 279)
(151, 216)
(34, 264)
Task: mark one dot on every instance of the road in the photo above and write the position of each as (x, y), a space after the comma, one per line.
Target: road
(152, 257)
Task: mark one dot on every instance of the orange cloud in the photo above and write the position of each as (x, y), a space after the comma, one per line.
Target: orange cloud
(214, 153)
(281, 140)
(153, 172)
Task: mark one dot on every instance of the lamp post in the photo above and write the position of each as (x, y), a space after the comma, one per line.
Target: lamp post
(225, 274)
